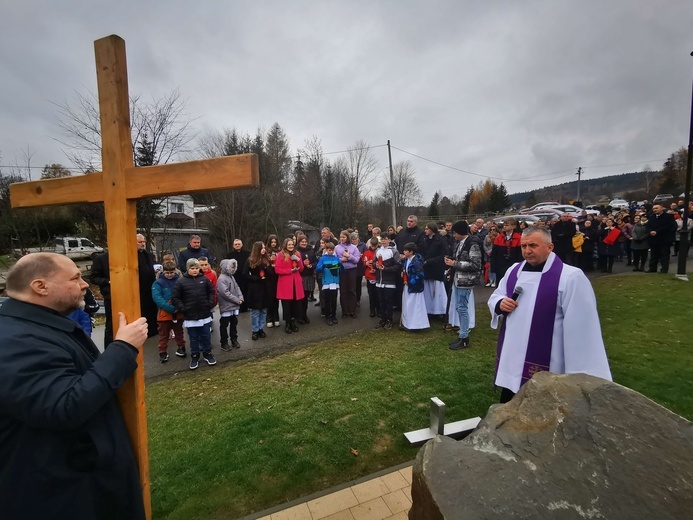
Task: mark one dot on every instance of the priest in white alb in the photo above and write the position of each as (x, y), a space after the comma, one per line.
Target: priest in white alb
(549, 318)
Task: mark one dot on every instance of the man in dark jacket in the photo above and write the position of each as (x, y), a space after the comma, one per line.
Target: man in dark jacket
(411, 233)
(562, 234)
(65, 449)
(194, 250)
(662, 228)
(435, 249)
(101, 276)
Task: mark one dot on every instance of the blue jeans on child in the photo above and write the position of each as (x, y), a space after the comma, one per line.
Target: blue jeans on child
(200, 339)
(461, 295)
(258, 319)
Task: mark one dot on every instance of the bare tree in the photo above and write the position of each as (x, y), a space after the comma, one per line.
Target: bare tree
(404, 188)
(162, 123)
(361, 165)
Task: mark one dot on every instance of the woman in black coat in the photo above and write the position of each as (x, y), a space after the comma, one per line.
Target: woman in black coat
(307, 275)
(257, 272)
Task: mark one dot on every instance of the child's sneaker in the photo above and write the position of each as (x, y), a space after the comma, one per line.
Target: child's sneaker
(235, 343)
(181, 352)
(209, 358)
(163, 357)
(225, 347)
(194, 361)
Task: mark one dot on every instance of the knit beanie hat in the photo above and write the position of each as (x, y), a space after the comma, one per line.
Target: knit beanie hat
(193, 262)
(461, 227)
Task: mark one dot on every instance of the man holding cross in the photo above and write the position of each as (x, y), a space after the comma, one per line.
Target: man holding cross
(119, 186)
(65, 449)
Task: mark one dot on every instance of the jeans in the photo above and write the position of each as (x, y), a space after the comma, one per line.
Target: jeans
(258, 319)
(200, 339)
(462, 306)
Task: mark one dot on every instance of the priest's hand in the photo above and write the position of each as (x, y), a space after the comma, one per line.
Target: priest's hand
(134, 333)
(508, 305)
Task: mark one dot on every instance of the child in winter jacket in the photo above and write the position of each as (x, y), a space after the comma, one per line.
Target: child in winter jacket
(329, 266)
(167, 319)
(387, 270)
(368, 260)
(230, 299)
(193, 295)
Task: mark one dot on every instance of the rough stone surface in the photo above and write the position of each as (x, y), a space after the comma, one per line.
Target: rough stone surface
(566, 446)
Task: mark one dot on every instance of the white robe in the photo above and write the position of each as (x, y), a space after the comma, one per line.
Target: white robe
(436, 297)
(454, 318)
(414, 315)
(577, 345)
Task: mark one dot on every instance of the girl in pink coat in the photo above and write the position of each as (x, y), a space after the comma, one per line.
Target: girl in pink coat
(288, 269)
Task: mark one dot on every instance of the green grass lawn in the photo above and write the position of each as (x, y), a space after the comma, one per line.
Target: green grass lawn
(232, 440)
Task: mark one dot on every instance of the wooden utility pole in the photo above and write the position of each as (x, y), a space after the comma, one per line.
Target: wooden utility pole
(392, 186)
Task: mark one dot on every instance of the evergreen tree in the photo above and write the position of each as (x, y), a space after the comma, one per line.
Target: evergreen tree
(433, 210)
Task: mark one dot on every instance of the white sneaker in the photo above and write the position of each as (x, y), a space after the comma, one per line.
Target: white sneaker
(488, 284)
(493, 284)
(270, 324)
(277, 324)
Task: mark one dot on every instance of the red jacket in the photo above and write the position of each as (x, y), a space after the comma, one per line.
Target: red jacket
(368, 256)
(212, 276)
(287, 281)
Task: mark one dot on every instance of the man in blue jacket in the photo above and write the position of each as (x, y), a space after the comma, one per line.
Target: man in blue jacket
(64, 446)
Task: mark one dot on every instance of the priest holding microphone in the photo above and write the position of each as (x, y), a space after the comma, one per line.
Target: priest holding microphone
(549, 318)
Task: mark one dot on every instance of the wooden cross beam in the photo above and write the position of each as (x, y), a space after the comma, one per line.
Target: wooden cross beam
(118, 187)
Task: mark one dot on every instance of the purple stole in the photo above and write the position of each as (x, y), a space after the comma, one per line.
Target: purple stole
(538, 357)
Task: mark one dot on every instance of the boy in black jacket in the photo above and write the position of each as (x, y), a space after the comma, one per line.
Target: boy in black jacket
(193, 295)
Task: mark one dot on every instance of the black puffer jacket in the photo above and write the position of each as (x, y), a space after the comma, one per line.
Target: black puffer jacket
(194, 297)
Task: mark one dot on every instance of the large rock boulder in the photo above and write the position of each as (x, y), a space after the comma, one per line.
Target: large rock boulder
(566, 446)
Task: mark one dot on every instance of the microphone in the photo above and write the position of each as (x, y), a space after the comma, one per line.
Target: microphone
(517, 293)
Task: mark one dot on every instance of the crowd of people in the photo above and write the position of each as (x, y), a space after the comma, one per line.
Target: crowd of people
(410, 268)
(427, 273)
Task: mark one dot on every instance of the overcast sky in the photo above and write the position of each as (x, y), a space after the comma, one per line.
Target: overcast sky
(522, 92)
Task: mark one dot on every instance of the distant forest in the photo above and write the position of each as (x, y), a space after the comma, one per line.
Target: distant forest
(630, 186)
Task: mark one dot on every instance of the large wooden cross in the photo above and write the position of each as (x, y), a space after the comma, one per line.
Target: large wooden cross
(118, 187)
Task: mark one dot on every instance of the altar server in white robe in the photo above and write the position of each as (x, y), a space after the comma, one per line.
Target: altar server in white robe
(549, 318)
(414, 316)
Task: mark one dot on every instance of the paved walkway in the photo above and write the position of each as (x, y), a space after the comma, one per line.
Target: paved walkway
(383, 496)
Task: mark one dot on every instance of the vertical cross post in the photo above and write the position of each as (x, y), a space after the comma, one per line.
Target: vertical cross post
(121, 226)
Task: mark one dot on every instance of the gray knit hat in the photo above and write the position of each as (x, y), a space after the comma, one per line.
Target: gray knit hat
(192, 262)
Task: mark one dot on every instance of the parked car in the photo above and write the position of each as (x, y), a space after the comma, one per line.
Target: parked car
(529, 219)
(619, 204)
(661, 198)
(573, 211)
(545, 214)
(72, 247)
(538, 206)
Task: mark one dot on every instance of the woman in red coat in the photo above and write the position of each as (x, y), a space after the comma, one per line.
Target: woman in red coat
(288, 269)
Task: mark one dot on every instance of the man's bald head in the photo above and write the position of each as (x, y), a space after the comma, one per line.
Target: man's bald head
(47, 279)
(28, 268)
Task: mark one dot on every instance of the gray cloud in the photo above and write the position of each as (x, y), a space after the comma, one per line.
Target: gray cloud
(509, 90)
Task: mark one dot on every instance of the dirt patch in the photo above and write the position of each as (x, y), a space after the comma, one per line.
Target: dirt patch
(344, 419)
(382, 443)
